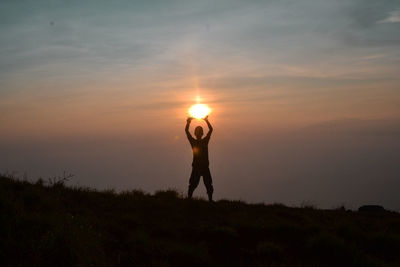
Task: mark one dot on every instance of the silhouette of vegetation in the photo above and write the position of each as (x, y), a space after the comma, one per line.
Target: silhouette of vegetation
(51, 224)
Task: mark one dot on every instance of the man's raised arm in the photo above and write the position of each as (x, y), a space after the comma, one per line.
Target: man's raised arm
(188, 121)
(210, 128)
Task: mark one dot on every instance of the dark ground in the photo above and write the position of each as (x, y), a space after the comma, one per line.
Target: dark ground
(50, 224)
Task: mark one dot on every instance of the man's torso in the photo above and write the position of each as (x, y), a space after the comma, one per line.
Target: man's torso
(200, 152)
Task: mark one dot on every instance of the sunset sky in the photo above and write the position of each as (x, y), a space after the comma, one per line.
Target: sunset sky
(305, 96)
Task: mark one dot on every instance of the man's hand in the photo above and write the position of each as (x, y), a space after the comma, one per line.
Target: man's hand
(189, 119)
(205, 118)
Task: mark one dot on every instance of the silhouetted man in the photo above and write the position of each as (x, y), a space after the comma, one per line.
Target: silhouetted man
(200, 158)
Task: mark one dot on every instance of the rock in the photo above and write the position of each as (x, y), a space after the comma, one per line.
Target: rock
(371, 208)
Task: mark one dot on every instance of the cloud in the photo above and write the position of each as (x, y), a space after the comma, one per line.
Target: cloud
(394, 17)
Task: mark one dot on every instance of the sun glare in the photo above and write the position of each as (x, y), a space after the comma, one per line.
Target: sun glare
(199, 111)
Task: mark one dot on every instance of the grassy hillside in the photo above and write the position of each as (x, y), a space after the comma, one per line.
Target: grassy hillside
(50, 224)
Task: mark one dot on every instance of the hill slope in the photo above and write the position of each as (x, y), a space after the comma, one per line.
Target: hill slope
(58, 225)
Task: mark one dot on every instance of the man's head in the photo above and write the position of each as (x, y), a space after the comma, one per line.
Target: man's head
(198, 132)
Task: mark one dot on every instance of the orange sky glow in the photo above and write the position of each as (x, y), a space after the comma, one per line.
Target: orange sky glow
(304, 97)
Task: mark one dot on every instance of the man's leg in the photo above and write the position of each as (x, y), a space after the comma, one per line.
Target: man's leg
(208, 183)
(193, 181)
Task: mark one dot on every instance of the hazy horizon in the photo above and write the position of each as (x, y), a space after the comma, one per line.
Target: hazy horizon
(304, 94)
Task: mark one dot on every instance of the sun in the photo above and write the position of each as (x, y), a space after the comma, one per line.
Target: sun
(199, 111)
